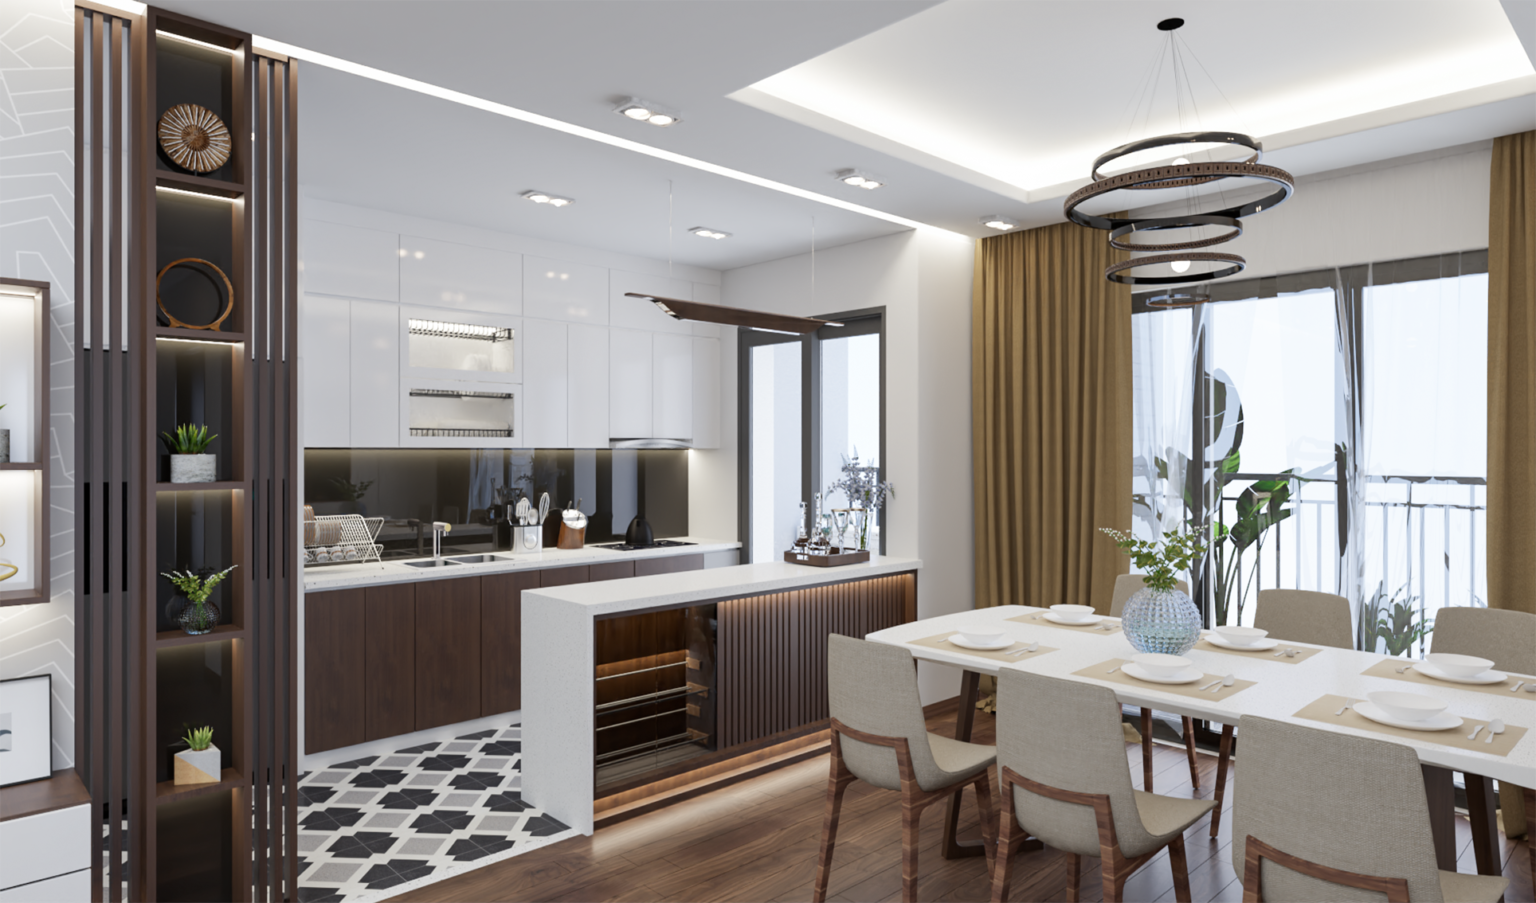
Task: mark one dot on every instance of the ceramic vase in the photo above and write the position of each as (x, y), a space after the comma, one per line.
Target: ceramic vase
(1161, 620)
(5, 446)
(196, 620)
(193, 468)
(199, 767)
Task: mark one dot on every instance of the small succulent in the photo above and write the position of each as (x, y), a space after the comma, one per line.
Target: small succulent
(196, 587)
(199, 738)
(189, 440)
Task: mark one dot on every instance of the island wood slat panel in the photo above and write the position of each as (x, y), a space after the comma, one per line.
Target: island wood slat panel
(772, 650)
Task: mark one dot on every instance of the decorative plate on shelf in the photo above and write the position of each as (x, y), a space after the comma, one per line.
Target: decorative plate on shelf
(194, 137)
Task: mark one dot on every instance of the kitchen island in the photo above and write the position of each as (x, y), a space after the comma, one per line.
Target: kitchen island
(640, 692)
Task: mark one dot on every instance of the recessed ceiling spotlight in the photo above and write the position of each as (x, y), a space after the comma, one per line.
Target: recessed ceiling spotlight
(859, 178)
(544, 197)
(645, 111)
(703, 232)
(1000, 223)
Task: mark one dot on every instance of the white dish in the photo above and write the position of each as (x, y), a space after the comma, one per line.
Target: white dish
(983, 634)
(1407, 706)
(1185, 677)
(1462, 666)
(1485, 678)
(1442, 722)
(1057, 619)
(961, 641)
(1161, 664)
(1075, 614)
(1215, 639)
(1241, 636)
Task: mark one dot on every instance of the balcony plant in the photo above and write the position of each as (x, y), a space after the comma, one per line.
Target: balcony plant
(199, 763)
(195, 613)
(5, 443)
(190, 462)
(1392, 620)
(1159, 617)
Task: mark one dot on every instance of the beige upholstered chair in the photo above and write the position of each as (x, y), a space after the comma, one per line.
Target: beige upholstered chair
(1509, 639)
(879, 736)
(1303, 616)
(1063, 779)
(1125, 586)
(1324, 816)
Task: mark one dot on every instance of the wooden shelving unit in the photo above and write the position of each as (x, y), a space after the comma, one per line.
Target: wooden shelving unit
(198, 335)
(199, 487)
(26, 302)
(229, 779)
(167, 639)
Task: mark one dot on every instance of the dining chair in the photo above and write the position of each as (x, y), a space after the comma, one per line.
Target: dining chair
(1125, 586)
(1508, 639)
(1077, 796)
(1293, 837)
(879, 736)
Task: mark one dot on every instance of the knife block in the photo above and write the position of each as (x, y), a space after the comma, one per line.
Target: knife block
(572, 539)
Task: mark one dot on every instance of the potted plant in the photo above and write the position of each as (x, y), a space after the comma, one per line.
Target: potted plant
(189, 461)
(199, 764)
(5, 443)
(862, 485)
(196, 614)
(1158, 617)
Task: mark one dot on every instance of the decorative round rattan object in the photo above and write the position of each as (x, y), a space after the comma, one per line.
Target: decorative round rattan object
(229, 289)
(194, 137)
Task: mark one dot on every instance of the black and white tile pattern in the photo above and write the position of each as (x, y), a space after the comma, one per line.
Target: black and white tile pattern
(372, 827)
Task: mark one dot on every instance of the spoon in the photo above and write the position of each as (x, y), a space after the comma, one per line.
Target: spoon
(1292, 653)
(1530, 688)
(1517, 686)
(1227, 681)
(1495, 728)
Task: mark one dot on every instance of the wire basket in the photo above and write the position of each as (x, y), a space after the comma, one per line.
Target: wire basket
(342, 539)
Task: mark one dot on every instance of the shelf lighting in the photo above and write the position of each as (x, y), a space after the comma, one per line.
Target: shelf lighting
(235, 51)
(1000, 223)
(444, 330)
(859, 179)
(645, 111)
(196, 194)
(703, 232)
(544, 197)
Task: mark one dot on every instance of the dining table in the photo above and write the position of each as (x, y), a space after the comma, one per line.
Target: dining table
(1315, 687)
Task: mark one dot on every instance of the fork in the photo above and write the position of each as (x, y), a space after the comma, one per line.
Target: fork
(1209, 685)
(1225, 682)
(1473, 735)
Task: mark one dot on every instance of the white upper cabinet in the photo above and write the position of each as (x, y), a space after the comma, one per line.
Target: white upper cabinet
(587, 361)
(546, 381)
(448, 274)
(351, 262)
(461, 344)
(375, 375)
(557, 290)
(706, 294)
(325, 368)
(629, 385)
(706, 392)
(633, 313)
(672, 365)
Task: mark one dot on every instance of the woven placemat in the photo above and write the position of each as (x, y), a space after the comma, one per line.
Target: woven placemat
(1269, 655)
(1001, 655)
(1388, 668)
(1101, 671)
(1325, 709)
(1097, 628)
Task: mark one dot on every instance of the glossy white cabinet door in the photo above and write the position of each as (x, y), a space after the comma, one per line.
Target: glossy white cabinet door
(45, 845)
(706, 392)
(629, 385)
(325, 364)
(375, 404)
(545, 385)
(557, 290)
(706, 294)
(448, 274)
(633, 313)
(351, 262)
(587, 371)
(672, 361)
(70, 888)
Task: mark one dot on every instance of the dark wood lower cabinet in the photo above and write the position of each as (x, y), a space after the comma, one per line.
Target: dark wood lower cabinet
(644, 567)
(333, 669)
(501, 640)
(447, 651)
(563, 576)
(389, 661)
(610, 570)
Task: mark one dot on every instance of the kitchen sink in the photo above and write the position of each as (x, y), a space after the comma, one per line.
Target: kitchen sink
(430, 563)
(480, 559)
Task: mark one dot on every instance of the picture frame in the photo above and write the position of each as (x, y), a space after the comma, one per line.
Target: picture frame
(26, 729)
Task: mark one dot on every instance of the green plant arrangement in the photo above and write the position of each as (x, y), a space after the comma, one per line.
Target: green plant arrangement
(189, 440)
(1161, 561)
(199, 616)
(350, 491)
(199, 738)
(1393, 620)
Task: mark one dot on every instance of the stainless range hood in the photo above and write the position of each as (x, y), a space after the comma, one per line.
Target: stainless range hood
(650, 443)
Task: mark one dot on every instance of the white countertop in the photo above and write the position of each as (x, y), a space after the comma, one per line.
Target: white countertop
(668, 590)
(343, 576)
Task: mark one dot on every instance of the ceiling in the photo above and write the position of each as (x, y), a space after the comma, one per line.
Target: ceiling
(965, 108)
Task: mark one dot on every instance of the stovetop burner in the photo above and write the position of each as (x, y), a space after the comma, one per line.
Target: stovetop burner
(626, 547)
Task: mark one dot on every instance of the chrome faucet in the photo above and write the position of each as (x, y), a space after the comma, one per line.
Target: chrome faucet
(438, 529)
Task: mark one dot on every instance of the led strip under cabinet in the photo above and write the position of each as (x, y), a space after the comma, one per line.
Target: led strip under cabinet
(445, 330)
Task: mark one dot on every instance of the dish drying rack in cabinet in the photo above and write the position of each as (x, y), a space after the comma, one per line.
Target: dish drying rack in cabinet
(342, 539)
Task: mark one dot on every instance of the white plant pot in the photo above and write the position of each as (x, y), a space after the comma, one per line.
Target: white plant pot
(5, 446)
(201, 767)
(193, 468)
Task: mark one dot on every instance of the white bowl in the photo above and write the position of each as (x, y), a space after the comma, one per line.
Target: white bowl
(1407, 706)
(1073, 612)
(1159, 664)
(982, 634)
(1458, 665)
(1241, 636)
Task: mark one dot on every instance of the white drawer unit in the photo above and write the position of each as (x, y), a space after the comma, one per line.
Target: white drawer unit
(438, 413)
(41, 848)
(70, 888)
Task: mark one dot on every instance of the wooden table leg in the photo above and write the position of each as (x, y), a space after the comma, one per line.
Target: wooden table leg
(965, 719)
(1482, 811)
(1442, 814)
(1146, 750)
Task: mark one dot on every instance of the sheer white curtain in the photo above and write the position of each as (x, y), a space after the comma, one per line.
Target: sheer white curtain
(1162, 349)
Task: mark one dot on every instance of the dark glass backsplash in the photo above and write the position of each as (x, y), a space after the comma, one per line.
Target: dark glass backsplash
(410, 488)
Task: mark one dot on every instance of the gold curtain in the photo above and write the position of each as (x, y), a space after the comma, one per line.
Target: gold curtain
(1051, 417)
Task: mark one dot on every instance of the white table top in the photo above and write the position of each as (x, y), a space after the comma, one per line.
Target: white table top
(1282, 689)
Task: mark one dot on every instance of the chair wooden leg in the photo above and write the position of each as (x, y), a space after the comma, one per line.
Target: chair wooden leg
(988, 817)
(1189, 749)
(1074, 877)
(1114, 882)
(910, 817)
(1530, 829)
(1221, 776)
(835, 790)
(1009, 833)
(1180, 866)
(1146, 750)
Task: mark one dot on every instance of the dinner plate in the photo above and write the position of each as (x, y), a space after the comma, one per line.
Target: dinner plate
(961, 641)
(1487, 677)
(1091, 620)
(1188, 676)
(1441, 722)
(1215, 639)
